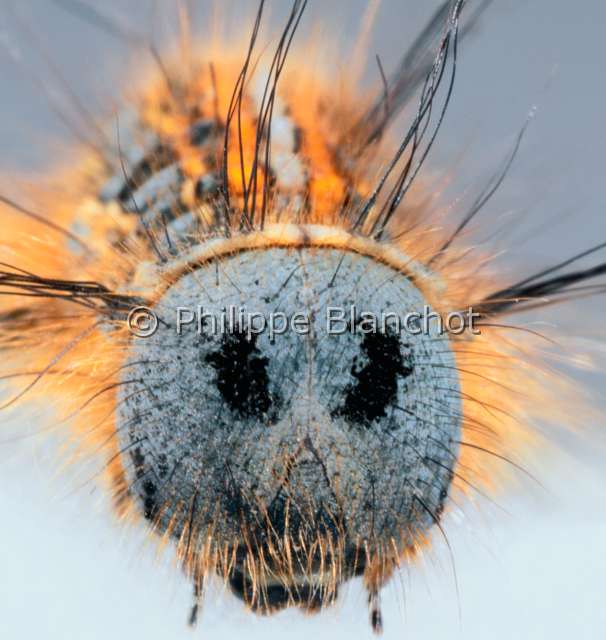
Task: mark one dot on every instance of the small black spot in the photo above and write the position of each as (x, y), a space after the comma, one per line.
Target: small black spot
(150, 505)
(206, 187)
(150, 508)
(439, 508)
(162, 465)
(242, 377)
(375, 384)
(149, 488)
(138, 461)
(200, 131)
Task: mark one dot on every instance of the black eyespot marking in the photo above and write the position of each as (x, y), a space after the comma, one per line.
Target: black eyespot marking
(375, 384)
(242, 377)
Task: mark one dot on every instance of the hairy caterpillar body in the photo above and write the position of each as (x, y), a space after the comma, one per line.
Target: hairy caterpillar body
(285, 464)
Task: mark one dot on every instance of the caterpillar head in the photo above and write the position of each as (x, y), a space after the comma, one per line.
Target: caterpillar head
(309, 451)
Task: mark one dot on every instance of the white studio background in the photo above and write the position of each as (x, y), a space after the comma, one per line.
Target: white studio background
(532, 570)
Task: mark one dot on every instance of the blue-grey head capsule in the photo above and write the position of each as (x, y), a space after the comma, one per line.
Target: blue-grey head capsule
(282, 433)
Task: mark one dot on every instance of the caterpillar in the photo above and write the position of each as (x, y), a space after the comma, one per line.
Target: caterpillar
(286, 457)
